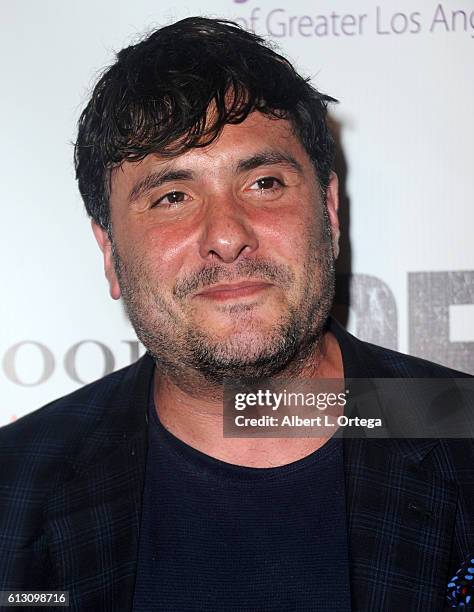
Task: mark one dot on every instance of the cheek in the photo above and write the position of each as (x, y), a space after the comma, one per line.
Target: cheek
(289, 234)
(167, 248)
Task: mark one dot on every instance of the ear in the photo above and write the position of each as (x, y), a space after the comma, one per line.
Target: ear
(332, 202)
(105, 246)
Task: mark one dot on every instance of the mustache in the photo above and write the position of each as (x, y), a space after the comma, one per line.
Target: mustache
(250, 268)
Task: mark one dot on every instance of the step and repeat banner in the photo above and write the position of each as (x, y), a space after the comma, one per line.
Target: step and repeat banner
(402, 72)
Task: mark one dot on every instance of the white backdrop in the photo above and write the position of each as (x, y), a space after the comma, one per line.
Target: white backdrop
(402, 71)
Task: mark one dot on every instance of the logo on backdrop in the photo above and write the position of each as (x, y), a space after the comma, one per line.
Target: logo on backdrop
(381, 21)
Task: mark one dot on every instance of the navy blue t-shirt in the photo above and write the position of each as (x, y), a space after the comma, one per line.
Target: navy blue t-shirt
(216, 536)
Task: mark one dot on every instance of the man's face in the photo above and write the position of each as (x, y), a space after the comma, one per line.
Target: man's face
(223, 255)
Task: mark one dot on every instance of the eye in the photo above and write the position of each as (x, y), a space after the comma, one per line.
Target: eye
(170, 199)
(266, 184)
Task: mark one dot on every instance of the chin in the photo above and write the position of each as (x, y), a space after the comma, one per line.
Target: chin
(241, 323)
(248, 353)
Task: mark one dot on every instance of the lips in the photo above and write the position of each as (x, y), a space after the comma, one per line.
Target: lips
(226, 291)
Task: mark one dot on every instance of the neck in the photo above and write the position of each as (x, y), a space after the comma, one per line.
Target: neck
(194, 414)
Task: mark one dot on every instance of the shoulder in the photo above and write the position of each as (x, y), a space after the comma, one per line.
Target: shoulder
(423, 388)
(54, 444)
(53, 435)
(70, 414)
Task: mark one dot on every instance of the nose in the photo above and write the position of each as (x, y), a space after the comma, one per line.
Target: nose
(227, 231)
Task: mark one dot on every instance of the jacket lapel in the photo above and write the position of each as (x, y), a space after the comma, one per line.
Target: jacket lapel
(400, 512)
(400, 526)
(93, 520)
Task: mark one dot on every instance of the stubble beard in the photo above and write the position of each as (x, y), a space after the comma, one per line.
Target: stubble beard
(181, 352)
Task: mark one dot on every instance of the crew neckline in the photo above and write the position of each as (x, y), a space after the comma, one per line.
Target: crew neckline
(196, 459)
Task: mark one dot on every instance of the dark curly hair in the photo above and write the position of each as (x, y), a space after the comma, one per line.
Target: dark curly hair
(156, 96)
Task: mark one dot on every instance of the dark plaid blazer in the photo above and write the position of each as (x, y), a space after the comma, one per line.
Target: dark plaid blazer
(72, 476)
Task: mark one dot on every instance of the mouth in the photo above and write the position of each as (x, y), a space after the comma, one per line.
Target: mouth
(232, 291)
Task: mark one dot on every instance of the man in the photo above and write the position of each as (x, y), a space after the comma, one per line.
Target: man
(205, 163)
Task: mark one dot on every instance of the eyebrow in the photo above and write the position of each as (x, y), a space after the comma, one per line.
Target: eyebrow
(269, 157)
(263, 158)
(156, 179)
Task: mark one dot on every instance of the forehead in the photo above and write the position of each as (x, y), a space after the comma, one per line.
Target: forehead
(236, 142)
